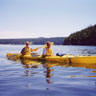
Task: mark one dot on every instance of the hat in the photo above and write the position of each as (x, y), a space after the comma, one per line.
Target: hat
(27, 43)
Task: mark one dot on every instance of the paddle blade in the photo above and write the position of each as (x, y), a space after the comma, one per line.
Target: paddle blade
(52, 43)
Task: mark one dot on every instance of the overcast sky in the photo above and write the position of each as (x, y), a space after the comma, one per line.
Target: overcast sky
(45, 18)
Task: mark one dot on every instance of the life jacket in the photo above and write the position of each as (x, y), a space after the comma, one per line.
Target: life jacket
(27, 51)
(48, 51)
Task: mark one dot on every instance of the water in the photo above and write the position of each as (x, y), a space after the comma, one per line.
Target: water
(46, 78)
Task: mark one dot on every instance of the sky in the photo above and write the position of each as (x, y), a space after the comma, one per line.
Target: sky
(45, 18)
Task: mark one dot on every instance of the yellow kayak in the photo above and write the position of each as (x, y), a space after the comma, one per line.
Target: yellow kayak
(67, 59)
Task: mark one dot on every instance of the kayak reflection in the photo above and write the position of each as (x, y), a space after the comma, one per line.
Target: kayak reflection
(90, 66)
(48, 72)
(30, 63)
(35, 64)
(48, 65)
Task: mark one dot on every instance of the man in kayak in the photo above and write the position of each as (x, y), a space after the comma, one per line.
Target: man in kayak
(27, 50)
(47, 51)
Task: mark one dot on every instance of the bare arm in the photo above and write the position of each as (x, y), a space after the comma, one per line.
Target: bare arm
(34, 49)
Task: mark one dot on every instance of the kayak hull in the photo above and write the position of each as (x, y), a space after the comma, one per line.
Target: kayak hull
(65, 59)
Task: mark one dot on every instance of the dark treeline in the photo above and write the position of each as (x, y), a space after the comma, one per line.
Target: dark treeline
(86, 36)
(56, 40)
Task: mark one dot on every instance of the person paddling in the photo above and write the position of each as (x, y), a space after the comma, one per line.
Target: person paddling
(27, 50)
(47, 51)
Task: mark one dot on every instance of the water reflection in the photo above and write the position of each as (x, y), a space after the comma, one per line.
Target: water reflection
(35, 82)
(90, 66)
(48, 71)
(30, 64)
(48, 66)
(94, 71)
(35, 64)
(87, 66)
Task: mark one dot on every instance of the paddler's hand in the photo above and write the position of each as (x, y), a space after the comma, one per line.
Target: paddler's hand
(36, 49)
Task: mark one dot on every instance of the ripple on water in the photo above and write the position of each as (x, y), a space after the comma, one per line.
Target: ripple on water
(17, 79)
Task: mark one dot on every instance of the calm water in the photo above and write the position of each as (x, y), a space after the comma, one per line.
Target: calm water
(31, 78)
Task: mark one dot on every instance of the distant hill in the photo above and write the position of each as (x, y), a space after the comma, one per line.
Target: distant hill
(86, 36)
(41, 40)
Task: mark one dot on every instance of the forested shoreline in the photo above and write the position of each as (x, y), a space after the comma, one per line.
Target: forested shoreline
(86, 36)
(36, 41)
